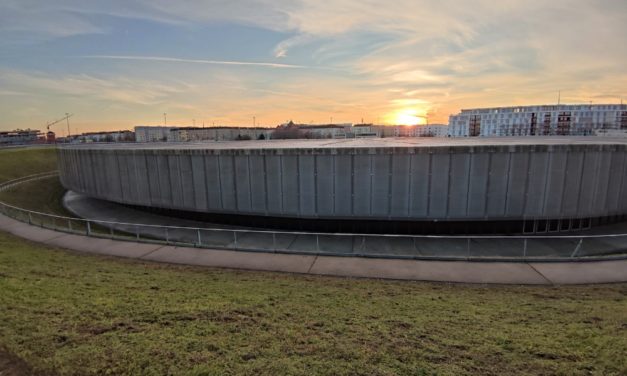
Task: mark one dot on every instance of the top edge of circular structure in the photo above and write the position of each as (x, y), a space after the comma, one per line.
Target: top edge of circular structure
(397, 142)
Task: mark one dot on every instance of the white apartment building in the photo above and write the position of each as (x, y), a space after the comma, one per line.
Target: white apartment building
(548, 120)
(152, 133)
(115, 136)
(185, 134)
(429, 130)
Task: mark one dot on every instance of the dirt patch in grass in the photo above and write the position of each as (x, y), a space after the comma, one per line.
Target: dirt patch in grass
(11, 365)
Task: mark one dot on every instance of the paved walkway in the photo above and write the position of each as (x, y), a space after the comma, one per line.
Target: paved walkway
(450, 271)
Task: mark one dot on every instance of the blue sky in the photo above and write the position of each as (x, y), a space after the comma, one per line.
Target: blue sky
(117, 64)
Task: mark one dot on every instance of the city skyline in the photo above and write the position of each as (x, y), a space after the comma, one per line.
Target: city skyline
(121, 64)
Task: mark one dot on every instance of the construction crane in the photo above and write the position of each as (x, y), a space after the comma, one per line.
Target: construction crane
(67, 118)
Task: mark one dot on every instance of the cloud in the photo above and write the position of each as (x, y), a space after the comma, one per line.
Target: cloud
(110, 89)
(194, 61)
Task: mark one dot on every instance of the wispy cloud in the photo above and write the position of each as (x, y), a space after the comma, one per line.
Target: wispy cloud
(195, 61)
(107, 88)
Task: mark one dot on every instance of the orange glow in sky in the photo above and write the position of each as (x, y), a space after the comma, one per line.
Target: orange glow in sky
(408, 116)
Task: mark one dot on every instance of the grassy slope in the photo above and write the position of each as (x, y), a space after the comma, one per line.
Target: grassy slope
(18, 162)
(41, 195)
(79, 314)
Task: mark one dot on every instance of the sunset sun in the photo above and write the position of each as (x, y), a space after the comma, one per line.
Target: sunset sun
(409, 116)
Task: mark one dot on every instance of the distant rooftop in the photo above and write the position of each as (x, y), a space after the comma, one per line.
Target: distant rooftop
(549, 107)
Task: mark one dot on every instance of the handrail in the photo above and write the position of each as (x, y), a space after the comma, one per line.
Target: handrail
(29, 213)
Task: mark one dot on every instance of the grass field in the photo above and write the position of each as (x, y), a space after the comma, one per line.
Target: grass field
(72, 314)
(41, 195)
(18, 162)
(78, 314)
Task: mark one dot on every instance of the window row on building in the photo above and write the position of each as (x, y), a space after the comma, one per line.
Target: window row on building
(561, 120)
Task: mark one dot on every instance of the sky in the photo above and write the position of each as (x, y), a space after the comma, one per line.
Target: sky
(119, 63)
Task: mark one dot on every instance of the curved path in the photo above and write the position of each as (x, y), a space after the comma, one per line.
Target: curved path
(449, 271)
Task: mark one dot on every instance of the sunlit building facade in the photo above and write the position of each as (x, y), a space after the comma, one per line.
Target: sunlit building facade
(550, 120)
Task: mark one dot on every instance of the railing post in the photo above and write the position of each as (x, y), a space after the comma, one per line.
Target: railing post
(525, 248)
(199, 241)
(577, 248)
(111, 231)
(69, 225)
(88, 229)
(137, 232)
(30, 219)
(274, 241)
(468, 247)
(235, 239)
(317, 243)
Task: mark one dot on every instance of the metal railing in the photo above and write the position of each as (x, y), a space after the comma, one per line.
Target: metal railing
(440, 247)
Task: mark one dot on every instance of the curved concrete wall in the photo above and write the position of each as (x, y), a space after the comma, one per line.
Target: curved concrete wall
(463, 181)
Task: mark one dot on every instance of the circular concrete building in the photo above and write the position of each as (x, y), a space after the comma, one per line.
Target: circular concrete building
(391, 185)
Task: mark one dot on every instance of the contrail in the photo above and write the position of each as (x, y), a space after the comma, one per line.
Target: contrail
(195, 61)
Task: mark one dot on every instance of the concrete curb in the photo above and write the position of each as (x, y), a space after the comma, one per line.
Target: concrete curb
(443, 271)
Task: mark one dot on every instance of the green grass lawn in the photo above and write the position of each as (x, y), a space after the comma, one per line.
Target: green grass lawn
(41, 195)
(78, 314)
(66, 313)
(18, 162)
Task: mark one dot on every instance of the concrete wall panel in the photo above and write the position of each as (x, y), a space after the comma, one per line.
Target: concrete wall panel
(199, 182)
(438, 188)
(242, 184)
(307, 185)
(616, 176)
(343, 185)
(362, 185)
(536, 184)
(145, 183)
(498, 178)
(381, 181)
(420, 165)
(555, 183)
(517, 184)
(602, 182)
(213, 182)
(257, 183)
(588, 183)
(458, 185)
(176, 185)
(274, 184)
(399, 203)
(289, 184)
(478, 185)
(324, 185)
(228, 189)
(187, 181)
(572, 184)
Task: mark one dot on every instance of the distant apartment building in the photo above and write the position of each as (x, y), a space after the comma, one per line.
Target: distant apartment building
(429, 130)
(367, 130)
(21, 136)
(114, 136)
(325, 130)
(187, 134)
(548, 120)
(152, 133)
